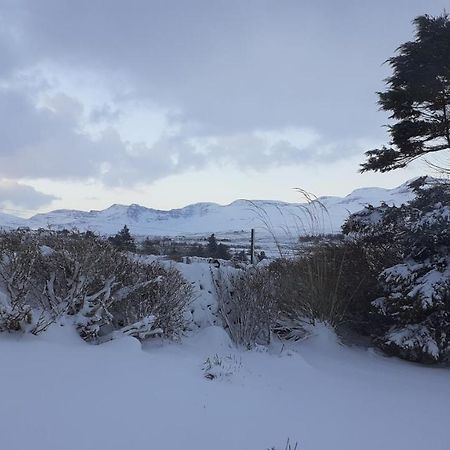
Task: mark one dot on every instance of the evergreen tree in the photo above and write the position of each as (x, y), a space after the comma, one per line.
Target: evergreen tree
(216, 250)
(212, 246)
(417, 97)
(123, 240)
(415, 305)
(149, 247)
(196, 250)
(223, 252)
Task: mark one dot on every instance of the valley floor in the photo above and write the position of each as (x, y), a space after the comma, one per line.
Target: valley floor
(59, 393)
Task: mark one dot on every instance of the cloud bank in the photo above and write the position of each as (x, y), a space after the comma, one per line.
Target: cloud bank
(139, 91)
(17, 195)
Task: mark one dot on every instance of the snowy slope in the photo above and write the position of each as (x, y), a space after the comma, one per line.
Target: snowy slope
(10, 221)
(325, 215)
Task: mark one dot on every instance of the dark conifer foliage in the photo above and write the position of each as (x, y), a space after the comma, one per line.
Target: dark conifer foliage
(418, 97)
(222, 252)
(212, 245)
(215, 249)
(123, 240)
(412, 242)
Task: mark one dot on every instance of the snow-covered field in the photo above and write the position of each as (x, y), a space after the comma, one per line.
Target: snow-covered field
(61, 393)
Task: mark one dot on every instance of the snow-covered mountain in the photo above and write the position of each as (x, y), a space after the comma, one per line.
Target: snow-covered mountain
(326, 214)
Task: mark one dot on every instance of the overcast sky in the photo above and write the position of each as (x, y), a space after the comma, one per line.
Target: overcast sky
(165, 103)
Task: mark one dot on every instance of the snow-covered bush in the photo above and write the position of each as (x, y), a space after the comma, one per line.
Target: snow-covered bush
(20, 257)
(81, 275)
(415, 304)
(247, 305)
(47, 275)
(153, 291)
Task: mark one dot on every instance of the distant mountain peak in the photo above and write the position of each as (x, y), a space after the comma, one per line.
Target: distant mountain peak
(208, 217)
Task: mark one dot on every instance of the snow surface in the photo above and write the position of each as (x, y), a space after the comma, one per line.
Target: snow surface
(61, 393)
(325, 215)
(202, 393)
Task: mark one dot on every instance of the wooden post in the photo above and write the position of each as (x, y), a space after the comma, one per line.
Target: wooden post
(252, 247)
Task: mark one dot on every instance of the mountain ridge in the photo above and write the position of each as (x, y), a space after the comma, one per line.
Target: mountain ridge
(325, 214)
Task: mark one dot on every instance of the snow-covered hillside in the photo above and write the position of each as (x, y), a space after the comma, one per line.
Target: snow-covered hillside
(324, 215)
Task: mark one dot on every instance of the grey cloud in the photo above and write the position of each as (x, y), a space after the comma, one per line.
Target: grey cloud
(46, 142)
(104, 113)
(227, 69)
(43, 142)
(21, 123)
(257, 152)
(167, 156)
(233, 66)
(23, 196)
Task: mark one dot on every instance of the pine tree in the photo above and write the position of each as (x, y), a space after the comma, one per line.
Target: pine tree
(223, 252)
(418, 97)
(149, 247)
(212, 246)
(415, 307)
(216, 250)
(123, 240)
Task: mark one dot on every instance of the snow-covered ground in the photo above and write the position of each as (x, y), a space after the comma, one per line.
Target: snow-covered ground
(202, 393)
(61, 393)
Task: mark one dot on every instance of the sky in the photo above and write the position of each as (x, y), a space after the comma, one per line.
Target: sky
(165, 103)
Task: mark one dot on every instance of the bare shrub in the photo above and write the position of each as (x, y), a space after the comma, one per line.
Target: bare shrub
(19, 258)
(15, 316)
(247, 305)
(47, 275)
(80, 275)
(154, 291)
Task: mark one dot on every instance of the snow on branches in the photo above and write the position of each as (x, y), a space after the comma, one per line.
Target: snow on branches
(48, 275)
(416, 283)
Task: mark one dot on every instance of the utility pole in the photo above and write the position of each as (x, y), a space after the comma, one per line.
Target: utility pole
(252, 247)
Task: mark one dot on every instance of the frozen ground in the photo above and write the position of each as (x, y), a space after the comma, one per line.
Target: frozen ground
(60, 393)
